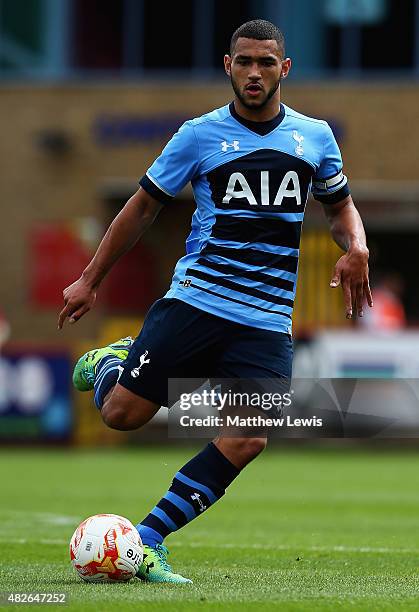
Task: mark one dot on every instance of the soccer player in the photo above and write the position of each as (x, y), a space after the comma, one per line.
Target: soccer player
(228, 311)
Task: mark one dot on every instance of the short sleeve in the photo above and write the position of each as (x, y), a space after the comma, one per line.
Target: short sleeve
(330, 185)
(175, 166)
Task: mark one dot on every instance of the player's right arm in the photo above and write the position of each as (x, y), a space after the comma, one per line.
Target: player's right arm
(125, 230)
(171, 171)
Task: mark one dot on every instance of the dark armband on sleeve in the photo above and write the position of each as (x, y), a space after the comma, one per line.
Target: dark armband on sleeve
(156, 191)
(331, 190)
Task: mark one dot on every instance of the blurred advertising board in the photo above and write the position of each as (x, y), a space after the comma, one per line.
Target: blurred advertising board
(35, 400)
(366, 12)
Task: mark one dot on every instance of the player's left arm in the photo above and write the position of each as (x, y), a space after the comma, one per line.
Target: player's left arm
(330, 187)
(351, 270)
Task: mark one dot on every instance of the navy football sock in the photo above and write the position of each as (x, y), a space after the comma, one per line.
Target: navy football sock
(197, 485)
(108, 371)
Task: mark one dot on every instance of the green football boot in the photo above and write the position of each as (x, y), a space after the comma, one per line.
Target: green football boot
(155, 568)
(85, 371)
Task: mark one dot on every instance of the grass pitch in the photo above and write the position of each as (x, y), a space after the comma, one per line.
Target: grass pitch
(298, 530)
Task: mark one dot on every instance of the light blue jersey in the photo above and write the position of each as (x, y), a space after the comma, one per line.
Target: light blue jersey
(250, 188)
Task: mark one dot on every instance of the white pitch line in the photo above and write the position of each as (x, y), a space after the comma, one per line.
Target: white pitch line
(224, 545)
(42, 517)
(30, 541)
(14, 541)
(297, 549)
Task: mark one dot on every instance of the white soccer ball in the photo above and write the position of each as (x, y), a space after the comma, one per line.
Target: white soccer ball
(106, 548)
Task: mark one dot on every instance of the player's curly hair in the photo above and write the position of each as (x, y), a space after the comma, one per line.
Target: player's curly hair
(259, 29)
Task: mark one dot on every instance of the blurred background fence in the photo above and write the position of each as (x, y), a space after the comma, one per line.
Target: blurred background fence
(91, 90)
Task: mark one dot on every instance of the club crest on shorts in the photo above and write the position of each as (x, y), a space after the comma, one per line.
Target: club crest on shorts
(143, 361)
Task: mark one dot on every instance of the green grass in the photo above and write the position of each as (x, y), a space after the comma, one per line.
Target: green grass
(309, 530)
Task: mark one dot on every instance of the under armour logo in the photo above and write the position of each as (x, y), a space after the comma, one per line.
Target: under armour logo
(196, 497)
(143, 361)
(234, 145)
(148, 566)
(299, 148)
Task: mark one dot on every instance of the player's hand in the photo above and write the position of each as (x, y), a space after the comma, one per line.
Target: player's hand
(351, 272)
(79, 298)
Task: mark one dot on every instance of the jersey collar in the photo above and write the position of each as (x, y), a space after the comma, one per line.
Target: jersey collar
(260, 127)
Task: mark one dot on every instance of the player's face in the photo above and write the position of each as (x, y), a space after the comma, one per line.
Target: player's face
(256, 68)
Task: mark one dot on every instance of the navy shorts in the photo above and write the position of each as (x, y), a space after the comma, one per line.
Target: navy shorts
(180, 341)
